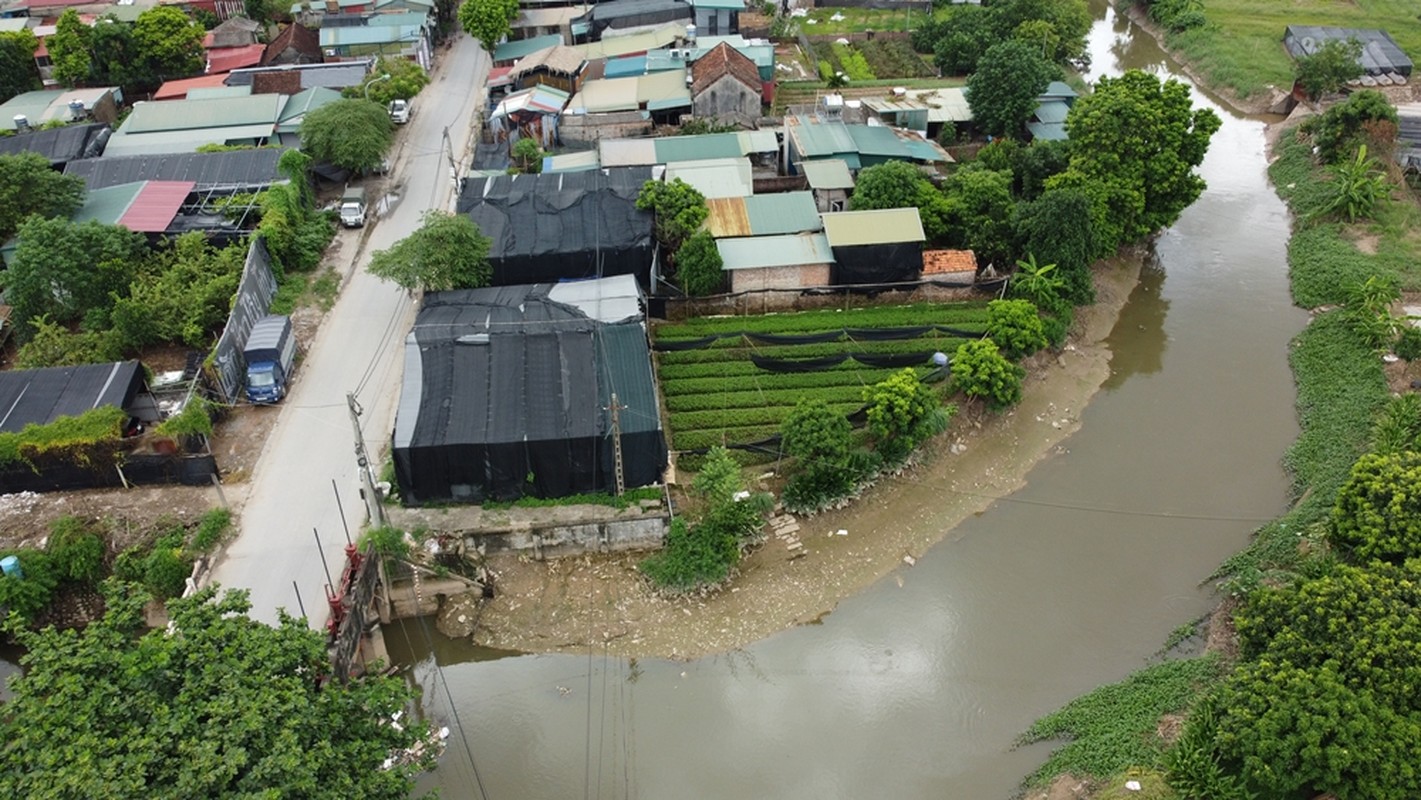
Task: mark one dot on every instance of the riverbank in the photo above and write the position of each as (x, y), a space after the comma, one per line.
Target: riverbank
(565, 605)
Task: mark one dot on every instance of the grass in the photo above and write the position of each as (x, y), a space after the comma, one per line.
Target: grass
(1113, 728)
(627, 499)
(299, 290)
(819, 20)
(1241, 46)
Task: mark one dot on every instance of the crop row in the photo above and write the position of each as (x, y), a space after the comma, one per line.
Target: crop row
(710, 437)
(894, 58)
(740, 417)
(752, 399)
(730, 340)
(767, 381)
(944, 343)
(829, 319)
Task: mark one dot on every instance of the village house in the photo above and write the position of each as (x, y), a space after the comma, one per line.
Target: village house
(726, 87)
(875, 247)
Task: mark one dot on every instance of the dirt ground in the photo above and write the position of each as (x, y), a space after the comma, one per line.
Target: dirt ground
(564, 605)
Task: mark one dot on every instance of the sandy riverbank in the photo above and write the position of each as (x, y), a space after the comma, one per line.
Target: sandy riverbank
(565, 605)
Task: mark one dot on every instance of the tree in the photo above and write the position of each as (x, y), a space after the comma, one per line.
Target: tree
(68, 50)
(1003, 90)
(1135, 143)
(980, 370)
(902, 412)
(221, 706)
(351, 134)
(406, 80)
(979, 209)
(527, 155)
(169, 43)
(719, 477)
(1059, 228)
(898, 184)
(1015, 327)
(1328, 70)
(1338, 130)
(68, 270)
(820, 439)
(699, 265)
(1069, 21)
(18, 73)
(448, 251)
(1040, 284)
(29, 186)
(116, 57)
(1034, 165)
(679, 209)
(489, 21)
(1378, 512)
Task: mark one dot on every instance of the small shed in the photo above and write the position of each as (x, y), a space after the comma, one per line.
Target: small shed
(875, 247)
(794, 261)
(952, 267)
(1381, 55)
(726, 86)
(831, 183)
(41, 396)
(762, 215)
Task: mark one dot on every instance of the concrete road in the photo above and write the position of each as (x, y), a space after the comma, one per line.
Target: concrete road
(359, 348)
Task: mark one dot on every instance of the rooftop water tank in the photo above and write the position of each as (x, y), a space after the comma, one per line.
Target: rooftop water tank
(22, 123)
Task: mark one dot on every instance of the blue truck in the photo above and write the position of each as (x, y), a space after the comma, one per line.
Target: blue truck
(270, 352)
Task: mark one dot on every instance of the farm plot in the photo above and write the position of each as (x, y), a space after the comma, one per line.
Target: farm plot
(737, 378)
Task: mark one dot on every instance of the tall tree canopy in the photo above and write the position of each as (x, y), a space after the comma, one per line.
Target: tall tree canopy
(18, 72)
(448, 251)
(489, 21)
(1135, 143)
(898, 184)
(170, 42)
(1053, 29)
(65, 269)
(69, 53)
(28, 186)
(678, 207)
(223, 706)
(351, 134)
(405, 81)
(979, 213)
(1003, 89)
(1057, 228)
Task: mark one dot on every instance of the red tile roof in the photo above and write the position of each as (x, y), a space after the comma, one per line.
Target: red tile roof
(152, 211)
(295, 36)
(177, 90)
(226, 59)
(720, 61)
(946, 262)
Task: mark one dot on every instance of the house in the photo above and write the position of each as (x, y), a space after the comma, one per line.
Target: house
(950, 267)
(831, 183)
(182, 126)
(1381, 57)
(716, 17)
(41, 396)
(875, 247)
(296, 44)
(506, 53)
(858, 146)
(558, 66)
(614, 107)
(760, 147)
(34, 109)
(234, 32)
(143, 206)
(225, 59)
(179, 89)
(761, 53)
(1048, 121)
(62, 146)
(336, 75)
(639, 42)
(726, 87)
(762, 215)
(714, 177)
(621, 15)
(509, 392)
(563, 226)
(534, 22)
(288, 125)
(791, 261)
(926, 111)
(534, 110)
(407, 35)
(232, 171)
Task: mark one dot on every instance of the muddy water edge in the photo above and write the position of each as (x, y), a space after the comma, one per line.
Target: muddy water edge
(917, 686)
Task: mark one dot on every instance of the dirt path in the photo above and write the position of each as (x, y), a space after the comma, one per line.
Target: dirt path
(563, 605)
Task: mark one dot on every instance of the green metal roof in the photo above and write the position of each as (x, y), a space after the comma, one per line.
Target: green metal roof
(178, 115)
(790, 212)
(829, 173)
(510, 51)
(734, 5)
(108, 205)
(1058, 90)
(1052, 112)
(880, 226)
(692, 148)
(301, 103)
(816, 139)
(715, 177)
(761, 252)
(33, 105)
(572, 162)
(211, 92)
(874, 140)
(379, 34)
(1049, 131)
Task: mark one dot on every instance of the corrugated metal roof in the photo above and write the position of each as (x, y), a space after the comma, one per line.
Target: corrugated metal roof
(226, 59)
(876, 140)
(152, 211)
(380, 34)
(812, 138)
(243, 169)
(180, 115)
(176, 90)
(571, 162)
(136, 144)
(302, 103)
(629, 152)
(880, 226)
(734, 5)
(40, 396)
(639, 42)
(762, 252)
(664, 88)
(509, 51)
(336, 75)
(763, 215)
(108, 205)
(542, 99)
(1049, 131)
(625, 66)
(1059, 89)
(830, 173)
(1052, 112)
(715, 177)
(945, 104)
(217, 92)
(595, 97)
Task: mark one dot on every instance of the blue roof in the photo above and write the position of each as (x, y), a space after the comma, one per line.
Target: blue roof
(625, 67)
(509, 51)
(1049, 131)
(1054, 112)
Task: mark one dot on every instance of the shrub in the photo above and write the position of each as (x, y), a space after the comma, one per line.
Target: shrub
(719, 477)
(1357, 186)
(77, 552)
(166, 570)
(980, 370)
(1016, 327)
(1377, 516)
(1338, 130)
(31, 594)
(691, 558)
(90, 439)
(210, 529)
(388, 542)
(902, 412)
(194, 419)
(1408, 344)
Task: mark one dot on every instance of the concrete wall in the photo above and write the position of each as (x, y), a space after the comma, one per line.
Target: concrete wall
(728, 100)
(797, 277)
(588, 129)
(570, 539)
(824, 199)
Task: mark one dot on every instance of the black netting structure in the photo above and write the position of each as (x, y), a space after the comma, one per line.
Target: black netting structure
(565, 225)
(889, 262)
(507, 392)
(40, 396)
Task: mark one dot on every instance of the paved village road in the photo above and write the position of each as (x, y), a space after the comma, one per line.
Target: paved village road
(359, 346)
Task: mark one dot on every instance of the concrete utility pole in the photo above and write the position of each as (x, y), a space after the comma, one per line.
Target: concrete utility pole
(362, 462)
(617, 443)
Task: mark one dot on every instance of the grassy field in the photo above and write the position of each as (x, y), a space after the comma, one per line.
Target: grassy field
(820, 20)
(1241, 47)
(716, 395)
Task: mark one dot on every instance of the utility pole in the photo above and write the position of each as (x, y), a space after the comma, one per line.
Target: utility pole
(617, 443)
(362, 462)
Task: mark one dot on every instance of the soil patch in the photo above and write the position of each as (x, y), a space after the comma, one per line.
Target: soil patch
(565, 605)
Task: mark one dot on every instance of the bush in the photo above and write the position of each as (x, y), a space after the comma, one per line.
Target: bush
(31, 594)
(388, 542)
(1016, 328)
(1408, 344)
(76, 552)
(719, 477)
(1338, 130)
(166, 570)
(195, 419)
(90, 439)
(1378, 512)
(691, 558)
(902, 412)
(210, 529)
(980, 370)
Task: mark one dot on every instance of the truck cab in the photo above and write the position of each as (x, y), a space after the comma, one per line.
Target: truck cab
(353, 210)
(400, 111)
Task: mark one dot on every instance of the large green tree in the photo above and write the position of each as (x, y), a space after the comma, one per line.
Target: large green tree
(1060, 25)
(448, 251)
(1135, 144)
(489, 21)
(979, 208)
(1329, 69)
(169, 42)
(1058, 228)
(68, 48)
(18, 72)
(29, 186)
(898, 184)
(351, 134)
(406, 79)
(678, 207)
(117, 60)
(699, 267)
(219, 706)
(67, 270)
(1003, 90)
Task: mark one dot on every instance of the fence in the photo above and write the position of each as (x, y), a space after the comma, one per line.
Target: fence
(254, 294)
(132, 469)
(356, 592)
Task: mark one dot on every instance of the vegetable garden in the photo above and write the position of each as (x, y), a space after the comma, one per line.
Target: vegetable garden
(716, 393)
(873, 59)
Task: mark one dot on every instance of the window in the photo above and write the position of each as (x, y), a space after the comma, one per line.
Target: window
(836, 205)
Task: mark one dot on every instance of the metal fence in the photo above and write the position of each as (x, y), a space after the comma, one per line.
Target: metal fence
(357, 590)
(254, 294)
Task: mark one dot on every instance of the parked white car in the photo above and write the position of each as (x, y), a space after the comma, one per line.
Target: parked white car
(400, 111)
